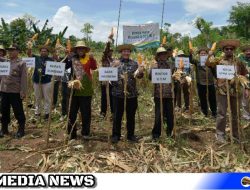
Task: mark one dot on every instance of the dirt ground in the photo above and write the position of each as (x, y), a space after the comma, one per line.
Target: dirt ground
(194, 148)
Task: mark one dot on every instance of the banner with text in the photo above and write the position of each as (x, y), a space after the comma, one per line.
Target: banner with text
(142, 36)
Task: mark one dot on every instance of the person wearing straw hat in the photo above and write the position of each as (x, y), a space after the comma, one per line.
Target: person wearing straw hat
(107, 59)
(202, 83)
(245, 58)
(82, 63)
(228, 47)
(41, 81)
(182, 83)
(163, 62)
(126, 70)
(13, 88)
(2, 54)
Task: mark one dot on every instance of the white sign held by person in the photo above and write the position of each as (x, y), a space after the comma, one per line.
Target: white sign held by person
(108, 74)
(30, 61)
(4, 68)
(203, 60)
(138, 34)
(161, 76)
(185, 62)
(55, 68)
(225, 71)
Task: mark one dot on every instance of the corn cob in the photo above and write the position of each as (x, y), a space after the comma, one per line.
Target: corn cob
(68, 46)
(164, 40)
(139, 58)
(76, 84)
(47, 42)
(213, 48)
(34, 37)
(190, 45)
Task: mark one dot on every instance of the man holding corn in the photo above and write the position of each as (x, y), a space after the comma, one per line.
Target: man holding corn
(228, 47)
(82, 63)
(41, 81)
(124, 92)
(163, 62)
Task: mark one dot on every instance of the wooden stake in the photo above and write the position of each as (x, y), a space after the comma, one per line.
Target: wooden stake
(108, 100)
(191, 103)
(207, 94)
(125, 95)
(50, 112)
(70, 100)
(229, 112)
(161, 109)
(173, 98)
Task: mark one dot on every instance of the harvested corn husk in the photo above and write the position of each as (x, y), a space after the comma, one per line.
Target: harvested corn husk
(76, 84)
(243, 82)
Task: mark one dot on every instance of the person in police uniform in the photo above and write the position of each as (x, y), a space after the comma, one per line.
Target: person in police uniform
(13, 88)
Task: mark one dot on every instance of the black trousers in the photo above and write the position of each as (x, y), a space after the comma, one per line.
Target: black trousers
(65, 96)
(177, 91)
(104, 99)
(168, 116)
(84, 103)
(202, 91)
(12, 100)
(118, 106)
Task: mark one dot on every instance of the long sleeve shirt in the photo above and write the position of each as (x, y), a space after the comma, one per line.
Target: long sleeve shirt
(83, 73)
(39, 71)
(201, 72)
(221, 83)
(126, 66)
(166, 88)
(16, 82)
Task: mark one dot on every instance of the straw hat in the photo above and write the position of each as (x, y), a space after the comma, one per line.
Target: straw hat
(230, 42)
(125, 47)
(81, 44)
(180, 52)
(161, 50)
(245, 47)
(13, 47)
(203, 49)
(2, 48)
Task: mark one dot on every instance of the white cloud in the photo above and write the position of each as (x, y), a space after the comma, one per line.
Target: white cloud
(183, 27)
(11, 4)
(195, 7)
(66, 17)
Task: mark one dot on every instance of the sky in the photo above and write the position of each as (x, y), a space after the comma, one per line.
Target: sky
(103, 14)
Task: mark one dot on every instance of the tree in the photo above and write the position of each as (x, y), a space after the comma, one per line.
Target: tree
(240, 19)
(87, 31)
(19, 32)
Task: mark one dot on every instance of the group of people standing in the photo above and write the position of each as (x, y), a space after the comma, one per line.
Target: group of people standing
(123, 93)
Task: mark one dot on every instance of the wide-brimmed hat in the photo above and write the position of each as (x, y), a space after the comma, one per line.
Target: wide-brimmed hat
(180, 52)
(203, 49)
(230, 42)
(161, 50)
(245, 47)
(13, 47)
(2, 48)
(81, 44)
(125, 47)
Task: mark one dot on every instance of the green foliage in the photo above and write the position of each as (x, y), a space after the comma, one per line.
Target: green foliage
(87, 30)
(240, 20)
